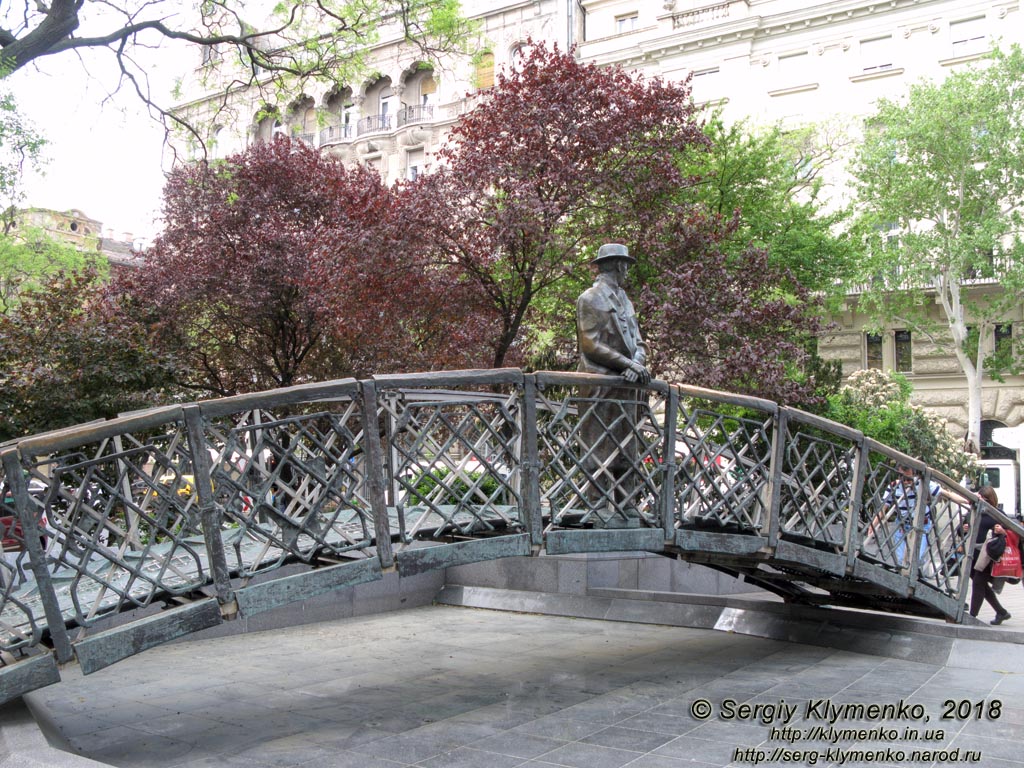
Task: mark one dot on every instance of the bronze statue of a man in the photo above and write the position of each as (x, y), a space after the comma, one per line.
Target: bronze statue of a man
(610, 343)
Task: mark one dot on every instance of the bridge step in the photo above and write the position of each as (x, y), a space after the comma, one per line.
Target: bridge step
(421, 560)
(112, 645)
(625, 540)
(876, 634)
(27, 675)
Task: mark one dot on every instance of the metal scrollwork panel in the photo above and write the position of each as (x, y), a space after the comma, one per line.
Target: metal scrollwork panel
(601, 457)
(815, 492)
(120, 521)
(453, 462)
(722, 468)
(291, 484)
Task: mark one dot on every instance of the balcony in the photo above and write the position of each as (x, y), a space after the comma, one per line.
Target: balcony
(334, 134)
(309, 139)
(420, 113)
(373, 124)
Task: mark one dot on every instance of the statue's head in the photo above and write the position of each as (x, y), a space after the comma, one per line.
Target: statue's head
(610, 253)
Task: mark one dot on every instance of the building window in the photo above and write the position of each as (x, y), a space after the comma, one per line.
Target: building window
(904, 358)
(210, 54)
(704, 83)
(972, 342)
(968, 37)
(794, 69)
(626, 23)
(873, 350)
(413, 164)
(876, 54)
(517, 56)
(1004, 339)
(485, 71)
(428, 91)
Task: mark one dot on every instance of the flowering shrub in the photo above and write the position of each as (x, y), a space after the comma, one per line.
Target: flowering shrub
(878, 404)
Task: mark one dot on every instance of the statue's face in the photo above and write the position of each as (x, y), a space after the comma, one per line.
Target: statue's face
(621, 268)
(616, 269)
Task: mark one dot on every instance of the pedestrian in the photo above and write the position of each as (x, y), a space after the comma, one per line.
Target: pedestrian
(981, 574)
(891, 527)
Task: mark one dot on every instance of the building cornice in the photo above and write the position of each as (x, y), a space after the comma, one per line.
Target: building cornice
(752, 27)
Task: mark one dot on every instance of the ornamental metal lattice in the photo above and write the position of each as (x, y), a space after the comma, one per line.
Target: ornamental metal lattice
(815, 491)
(453, 463)
(292, 485)
(723, 465)
(121, 520)
(601, 461)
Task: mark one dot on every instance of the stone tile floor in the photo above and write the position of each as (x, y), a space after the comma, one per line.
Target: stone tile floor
(444, 687)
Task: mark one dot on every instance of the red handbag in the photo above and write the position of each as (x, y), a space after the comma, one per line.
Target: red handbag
(1009, 565)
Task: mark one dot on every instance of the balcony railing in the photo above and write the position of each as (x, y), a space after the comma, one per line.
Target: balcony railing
(419, 113)
(332, 134)
(374, 124)
(896, 279)
(307, 138)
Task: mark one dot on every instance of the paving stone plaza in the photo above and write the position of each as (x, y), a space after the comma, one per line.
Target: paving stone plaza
(453, 687)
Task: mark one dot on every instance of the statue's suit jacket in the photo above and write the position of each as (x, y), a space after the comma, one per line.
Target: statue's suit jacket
(607, 331)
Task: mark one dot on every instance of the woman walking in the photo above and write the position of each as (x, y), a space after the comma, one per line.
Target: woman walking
(981, 574)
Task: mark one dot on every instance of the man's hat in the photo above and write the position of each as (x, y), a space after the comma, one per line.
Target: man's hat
(612, 251)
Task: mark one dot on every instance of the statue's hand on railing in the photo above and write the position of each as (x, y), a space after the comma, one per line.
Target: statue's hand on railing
(637, 374)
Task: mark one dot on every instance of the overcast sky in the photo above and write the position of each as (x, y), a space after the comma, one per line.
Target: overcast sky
(106, 153)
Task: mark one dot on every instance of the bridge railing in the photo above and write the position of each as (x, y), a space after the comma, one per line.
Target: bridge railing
(185, 514)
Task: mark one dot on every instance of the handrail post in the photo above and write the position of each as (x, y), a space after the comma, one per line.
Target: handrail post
(668, 465)
(375, 474)
(36, 555)
(967, 562)
(860, 468)
(210, 513)
(530, 489)
(770, 527)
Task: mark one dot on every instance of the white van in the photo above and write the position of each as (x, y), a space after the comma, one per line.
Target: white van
(1004, 476)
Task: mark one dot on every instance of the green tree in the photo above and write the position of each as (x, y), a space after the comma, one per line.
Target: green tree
(944, 168)
(774, 179)
(878, 404)
(30, 258)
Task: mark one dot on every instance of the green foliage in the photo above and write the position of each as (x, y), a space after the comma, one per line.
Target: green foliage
(773, 179)
(878, 404)
(457, 488)
(28, 261)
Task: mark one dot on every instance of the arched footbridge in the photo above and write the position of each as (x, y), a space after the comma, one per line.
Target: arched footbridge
(182, 514)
